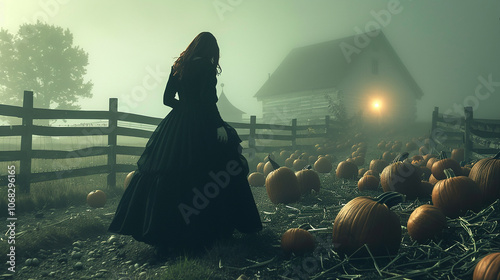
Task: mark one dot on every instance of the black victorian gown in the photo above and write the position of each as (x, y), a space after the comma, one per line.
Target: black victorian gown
(189, 188)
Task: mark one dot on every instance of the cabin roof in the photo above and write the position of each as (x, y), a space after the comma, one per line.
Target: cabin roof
(324, 65)
(226, 106)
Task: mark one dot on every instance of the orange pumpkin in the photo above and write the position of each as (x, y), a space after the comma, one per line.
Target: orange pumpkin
(488, 268)
(444, 163)
(308, 180)
(282, 186)
(297, 241)
(456, 194)
(368, 182)
(402, 177)
(425, 222)
(323, 165)
(96, 199)
(486, 173)
(367, 220)
(256, 179)
(346, 170)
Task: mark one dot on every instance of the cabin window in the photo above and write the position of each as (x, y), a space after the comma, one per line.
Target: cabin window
(375, 66)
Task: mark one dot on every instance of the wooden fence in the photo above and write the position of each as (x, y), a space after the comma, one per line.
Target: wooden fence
(25, 155)
(479, 137)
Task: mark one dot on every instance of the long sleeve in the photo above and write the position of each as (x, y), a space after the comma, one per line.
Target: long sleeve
(170, 91)
(210, 92)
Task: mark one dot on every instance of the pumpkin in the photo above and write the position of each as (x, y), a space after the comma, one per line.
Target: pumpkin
(260, 167)
(488, 268)
(96, 199)
(289, 162)
(456, 194)
(370, 172)
(444, 163)
(299, 163)
(282, 186)
(367, 220)
(381, 145)
(458, 154)
(486, 173)
(270, 166)
(359, 160)
(430, 162)
(433, 179)
(361, 172)
(285, 154)
(417, 160)
(297, 241)
(128, 179)
(378, 165)
(308, 180)
(426, 189)
(411, 146)
(425, 222)
(402, 177)
(256, 179)
(387, 156)
(368, 182)
(346, 170)
(312, 159)
(323, 165)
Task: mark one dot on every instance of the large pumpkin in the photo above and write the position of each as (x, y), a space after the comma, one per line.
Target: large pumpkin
(282, 186)
(308, 180)
(488, 268)
(297, 241)
(323, 165)
(444, 163)
(456, 194)
(367, 220)
(425, 222)
(402, 177)
(486, 173)
(96, 199)
(346, 170)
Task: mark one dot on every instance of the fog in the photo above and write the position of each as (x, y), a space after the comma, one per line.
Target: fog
(449, 46)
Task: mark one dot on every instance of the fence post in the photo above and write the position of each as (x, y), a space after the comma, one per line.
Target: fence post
(26, 143)
(435, 115)
(467, 133)
(112, 139)
(294, 134)
(251, 138)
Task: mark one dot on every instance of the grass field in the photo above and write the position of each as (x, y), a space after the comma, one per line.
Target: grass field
(452, 255)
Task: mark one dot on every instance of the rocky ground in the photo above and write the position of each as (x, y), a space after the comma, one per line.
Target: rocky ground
(104, 256)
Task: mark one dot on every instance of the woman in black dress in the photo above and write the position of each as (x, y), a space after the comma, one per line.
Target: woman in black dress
(190, 186)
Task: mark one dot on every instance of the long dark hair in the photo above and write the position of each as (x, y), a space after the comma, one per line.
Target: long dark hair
(204, 45)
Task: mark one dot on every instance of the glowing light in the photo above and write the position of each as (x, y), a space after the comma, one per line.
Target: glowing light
(376, 105)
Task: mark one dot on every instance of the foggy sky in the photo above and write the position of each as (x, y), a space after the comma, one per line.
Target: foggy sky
(448, 46)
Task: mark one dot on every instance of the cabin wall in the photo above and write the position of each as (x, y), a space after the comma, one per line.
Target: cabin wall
(308, 107)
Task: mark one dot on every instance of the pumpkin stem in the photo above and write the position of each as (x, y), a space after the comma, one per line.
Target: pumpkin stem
(390, 198)
(307, 167)
(401, 157)
(497, 156)
(273, 163)
(449, 173)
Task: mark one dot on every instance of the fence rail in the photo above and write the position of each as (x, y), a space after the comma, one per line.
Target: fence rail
(479, 137)
(27, 130)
